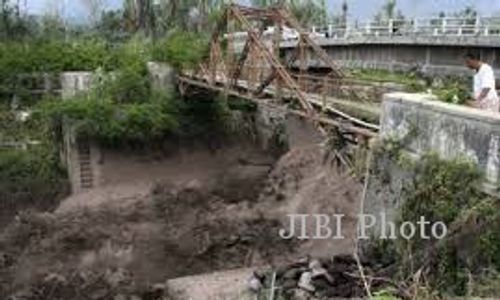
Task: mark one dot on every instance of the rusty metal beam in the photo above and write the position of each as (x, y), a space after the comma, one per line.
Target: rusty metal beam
(223, 73)
(280, 69)
(293, 23)
(244, 55)
(273, 75)
(326, 121)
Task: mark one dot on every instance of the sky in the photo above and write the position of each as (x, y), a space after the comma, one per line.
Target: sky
(358, 9)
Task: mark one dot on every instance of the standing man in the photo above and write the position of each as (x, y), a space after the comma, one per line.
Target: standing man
(485, 93)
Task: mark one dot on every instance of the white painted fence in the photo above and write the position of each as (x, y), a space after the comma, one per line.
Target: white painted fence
(415, 27)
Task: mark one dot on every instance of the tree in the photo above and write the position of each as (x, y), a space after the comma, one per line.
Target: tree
(345, 10)
(340, 19)
(12, 23)
(469, 13)
(52, 26)
(139, 15)
(95, 9)
(308, 12)
(194, 15)
(388, 12)
(390, 8)
(111, 25)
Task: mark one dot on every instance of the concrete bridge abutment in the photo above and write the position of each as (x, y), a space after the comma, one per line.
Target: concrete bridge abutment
(425, 125)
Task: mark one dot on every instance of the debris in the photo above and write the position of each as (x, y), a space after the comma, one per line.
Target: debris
(255, 283)
(317, 279)
(305, 282)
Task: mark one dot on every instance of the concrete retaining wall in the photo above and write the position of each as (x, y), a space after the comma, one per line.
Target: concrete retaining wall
(427, 125)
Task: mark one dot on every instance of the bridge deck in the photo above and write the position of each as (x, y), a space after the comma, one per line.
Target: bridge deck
(333, 108)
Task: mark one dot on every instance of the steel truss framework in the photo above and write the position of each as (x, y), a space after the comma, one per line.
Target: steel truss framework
(257, 71)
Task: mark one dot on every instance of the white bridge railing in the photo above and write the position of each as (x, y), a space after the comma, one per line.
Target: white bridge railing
(413, 27)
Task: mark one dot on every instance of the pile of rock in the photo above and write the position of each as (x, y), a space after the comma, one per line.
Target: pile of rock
(313, 279)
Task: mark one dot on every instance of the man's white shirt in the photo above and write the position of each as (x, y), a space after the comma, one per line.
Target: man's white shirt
(485, 78)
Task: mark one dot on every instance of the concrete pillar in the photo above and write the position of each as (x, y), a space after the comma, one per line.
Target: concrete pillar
(162, 76)
(73, 83)
(428, 56)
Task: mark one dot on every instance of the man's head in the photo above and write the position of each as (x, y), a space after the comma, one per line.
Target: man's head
(472, 61)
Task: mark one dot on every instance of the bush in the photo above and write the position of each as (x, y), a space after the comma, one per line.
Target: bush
(55, 56)
(110, 121)
(183, 50)
(30, 179)
(448, 191)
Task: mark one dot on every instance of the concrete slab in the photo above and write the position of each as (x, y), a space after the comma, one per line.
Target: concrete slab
(225, 285)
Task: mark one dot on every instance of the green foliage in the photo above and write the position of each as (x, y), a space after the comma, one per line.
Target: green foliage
(449, 89)
(204, 118)
(30, 178)
(410, 79)
(54, 56)
(446, 191)
(453, 90)
(182, 49)
(485, 285)
(441, 189)
(385, 295)
(113, 121)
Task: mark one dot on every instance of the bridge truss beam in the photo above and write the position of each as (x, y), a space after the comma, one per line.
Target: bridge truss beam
(258, 65)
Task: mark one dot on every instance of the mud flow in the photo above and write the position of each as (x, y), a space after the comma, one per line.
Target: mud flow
(159, 218)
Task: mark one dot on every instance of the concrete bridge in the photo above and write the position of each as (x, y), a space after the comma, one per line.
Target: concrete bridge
(434, 46)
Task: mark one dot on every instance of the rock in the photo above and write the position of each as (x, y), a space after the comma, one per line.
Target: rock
(154, 293)
(318, 271)
(344, 259)
(6, 260)
(300, 295)
(159, 287)
(255, 283)
(192, 185)
(281, 270)
(289, 284)
(302, 262)
(294, 273)
(305, 282)
(117, 277)
(55, 279)
(315, 264)
(120, 297)
(321, 284)
(99, 294)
